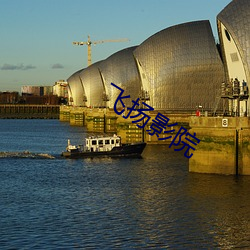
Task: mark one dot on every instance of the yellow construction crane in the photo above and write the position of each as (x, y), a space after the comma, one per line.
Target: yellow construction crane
(89, 43)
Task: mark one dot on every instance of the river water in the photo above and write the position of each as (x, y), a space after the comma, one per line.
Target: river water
(151, 203)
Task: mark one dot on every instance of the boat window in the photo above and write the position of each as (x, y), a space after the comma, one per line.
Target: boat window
(117, 141)
(100, 142)
(93, 142)
(112, 141)
(107, 142)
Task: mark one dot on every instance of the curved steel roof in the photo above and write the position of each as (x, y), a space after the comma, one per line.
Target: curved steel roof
(181, 67)
(236, 18)
(76, 91)
(120, 69)
(93, 85)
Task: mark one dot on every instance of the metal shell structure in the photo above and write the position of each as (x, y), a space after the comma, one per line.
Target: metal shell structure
(93, 86)
(120, 69)
(234, 32)
(180, 67)
(76, 90)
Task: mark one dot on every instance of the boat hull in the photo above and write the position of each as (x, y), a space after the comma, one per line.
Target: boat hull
(126, 150)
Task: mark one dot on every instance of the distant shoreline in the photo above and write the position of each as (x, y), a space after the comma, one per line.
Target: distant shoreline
(24, 111)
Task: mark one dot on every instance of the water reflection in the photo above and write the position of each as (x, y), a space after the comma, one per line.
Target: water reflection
(223, 202)
(174, 208)
(110, 203)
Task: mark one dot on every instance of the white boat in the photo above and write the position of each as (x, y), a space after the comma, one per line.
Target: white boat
(96, 146)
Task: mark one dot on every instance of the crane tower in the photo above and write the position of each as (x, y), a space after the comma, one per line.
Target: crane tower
(89, 43)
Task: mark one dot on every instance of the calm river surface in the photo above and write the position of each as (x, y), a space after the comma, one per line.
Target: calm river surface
(148, 203)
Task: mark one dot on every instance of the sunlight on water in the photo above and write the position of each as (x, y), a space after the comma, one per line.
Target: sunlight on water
(48, 202)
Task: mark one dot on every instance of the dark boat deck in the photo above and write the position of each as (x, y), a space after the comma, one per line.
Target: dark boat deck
(126, 150)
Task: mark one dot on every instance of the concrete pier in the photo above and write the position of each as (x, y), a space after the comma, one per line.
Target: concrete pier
(64, 113)
(224, 146)
(107, 121)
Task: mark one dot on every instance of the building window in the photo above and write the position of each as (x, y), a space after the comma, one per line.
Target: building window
(227, 35)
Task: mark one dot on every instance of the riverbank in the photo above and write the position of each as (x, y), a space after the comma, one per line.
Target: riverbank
(25, 111)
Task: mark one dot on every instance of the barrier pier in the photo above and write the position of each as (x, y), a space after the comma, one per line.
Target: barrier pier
(224, 146)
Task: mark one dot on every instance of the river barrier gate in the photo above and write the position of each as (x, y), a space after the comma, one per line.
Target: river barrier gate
(224, 146)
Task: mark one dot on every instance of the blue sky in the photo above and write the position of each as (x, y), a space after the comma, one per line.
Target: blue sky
(36, 35)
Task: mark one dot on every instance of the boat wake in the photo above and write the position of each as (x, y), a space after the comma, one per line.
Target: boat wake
(26, 154)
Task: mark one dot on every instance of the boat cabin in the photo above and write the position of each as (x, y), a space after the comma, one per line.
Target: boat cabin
(105, 143)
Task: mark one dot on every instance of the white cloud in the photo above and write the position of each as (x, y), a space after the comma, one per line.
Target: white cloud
(21, 66)
(57, 66)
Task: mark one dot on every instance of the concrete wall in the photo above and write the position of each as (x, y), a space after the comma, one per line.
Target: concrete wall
(220, 152)
(20, 111)
(107, 121)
